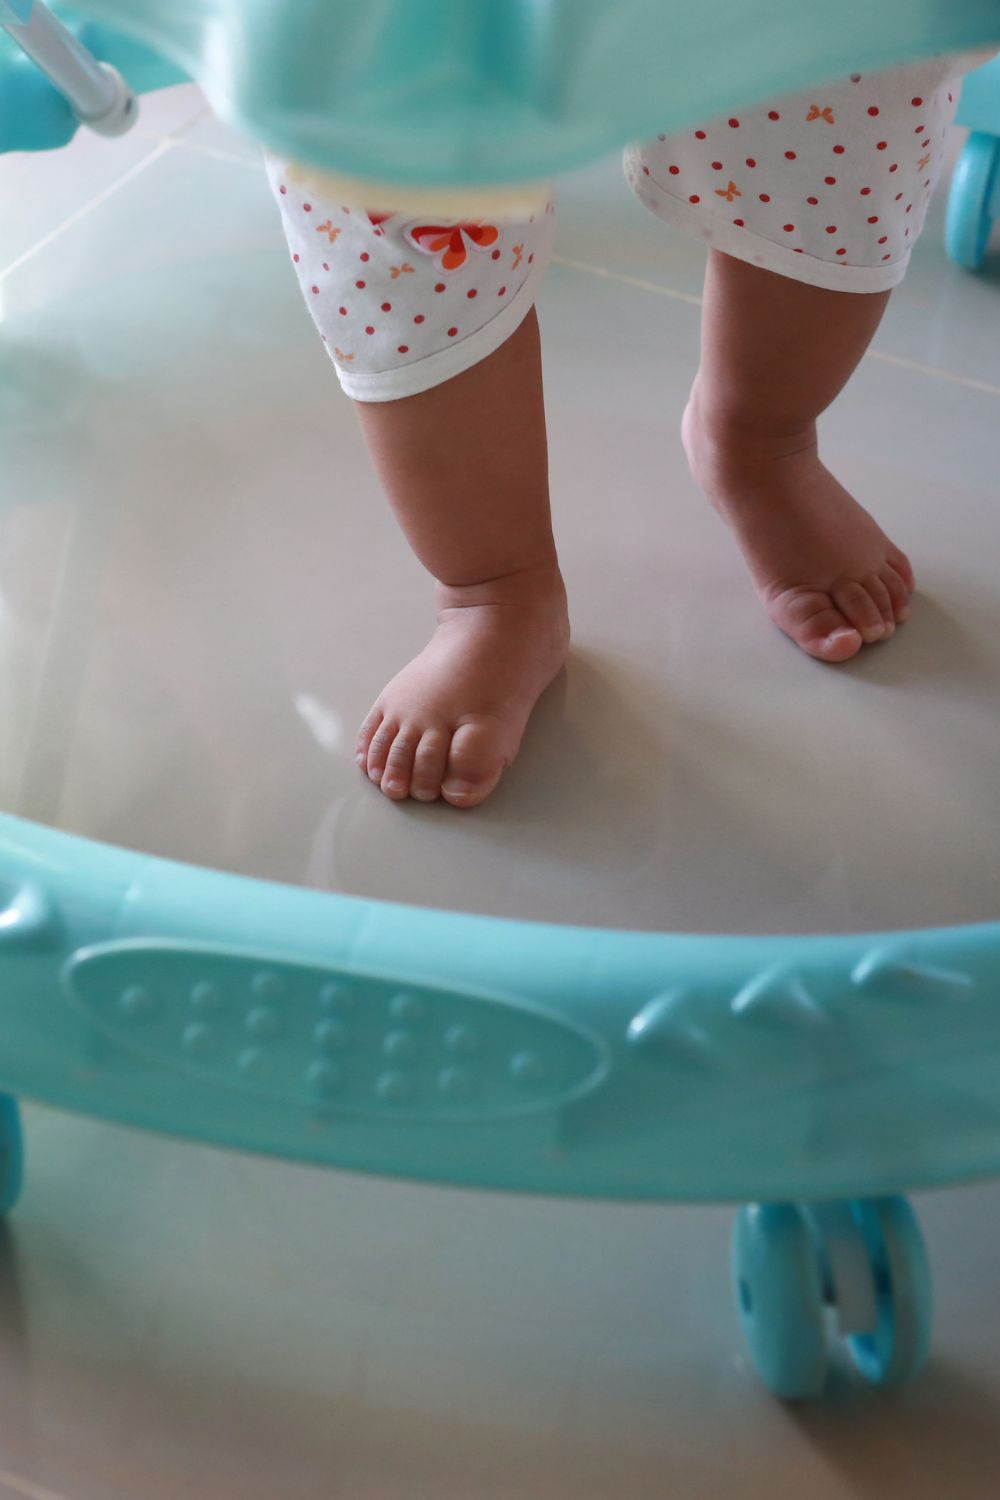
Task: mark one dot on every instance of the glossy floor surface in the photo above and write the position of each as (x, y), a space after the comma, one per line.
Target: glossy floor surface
(201, 591)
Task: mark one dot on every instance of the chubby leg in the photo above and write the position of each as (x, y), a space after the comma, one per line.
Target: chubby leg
(810, 206)
(775, 354)
(432, 330)
(465, 467)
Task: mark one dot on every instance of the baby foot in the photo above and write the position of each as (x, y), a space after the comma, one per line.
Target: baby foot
(449, 723)
(826, 573)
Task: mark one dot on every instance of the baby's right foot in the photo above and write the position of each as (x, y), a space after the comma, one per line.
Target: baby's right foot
(449, 723)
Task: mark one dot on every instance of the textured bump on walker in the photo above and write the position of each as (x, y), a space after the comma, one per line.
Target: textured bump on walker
(662, 1033)
(266, 985)
(457, 1083)
(263, 1023)
(461, 1040)
(137, 1003)
(337, 996)
(891, 973)
(394, 1087)
(207, 997)
(325, 1078)
(252, 1062)
(400, 1046)
(30, 920)
(407, 1007)
(200, 1039)
(333, 1036)
(527, 1068)
(779, 1000)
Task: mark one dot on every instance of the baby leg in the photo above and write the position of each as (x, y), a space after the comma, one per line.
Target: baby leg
(775, 353)
(433, 332)
(810, 208)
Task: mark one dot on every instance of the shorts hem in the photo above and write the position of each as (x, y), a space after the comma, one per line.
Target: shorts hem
(435, 369)
(756, 249)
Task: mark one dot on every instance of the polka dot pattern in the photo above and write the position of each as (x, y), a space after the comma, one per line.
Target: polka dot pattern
(830, 186)
(395, 292)
(842, 150)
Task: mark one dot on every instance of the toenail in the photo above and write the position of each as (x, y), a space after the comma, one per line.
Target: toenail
(375, 775)
(391, 784)
(904, 613)
(458, 789)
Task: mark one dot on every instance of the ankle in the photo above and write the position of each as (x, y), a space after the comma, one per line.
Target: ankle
(536, 584)
(723, 435)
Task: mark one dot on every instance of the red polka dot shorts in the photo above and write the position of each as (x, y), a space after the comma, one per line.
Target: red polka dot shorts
(829, 186)
(404, 303)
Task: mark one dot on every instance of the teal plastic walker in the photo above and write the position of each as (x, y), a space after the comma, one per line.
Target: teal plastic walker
(813, 1078)
(974, 200)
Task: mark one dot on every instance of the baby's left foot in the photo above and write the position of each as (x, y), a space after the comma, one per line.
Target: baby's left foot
(826, 573)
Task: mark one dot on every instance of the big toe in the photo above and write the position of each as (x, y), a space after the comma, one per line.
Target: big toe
(476, 762)
(814, 623)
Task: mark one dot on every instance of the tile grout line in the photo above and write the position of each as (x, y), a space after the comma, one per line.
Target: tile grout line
(636, 281)
(81, 213)
(217, 152)
(932, 372)
(167, 143)
(25, 1487)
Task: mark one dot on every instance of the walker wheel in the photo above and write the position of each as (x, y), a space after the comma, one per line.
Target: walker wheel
(895, 1350)
(779, 1293)
(11, 1153)
(864, 1260)
(968, 220)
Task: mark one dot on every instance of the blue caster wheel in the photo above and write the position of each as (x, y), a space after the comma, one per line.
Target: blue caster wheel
(779, 1291)
(894, 1350)
(11, 1154)
(970, 217)
(862, 1262)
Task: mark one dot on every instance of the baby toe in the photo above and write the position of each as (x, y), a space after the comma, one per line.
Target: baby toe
(475, 765)
(379, 748)
(429, 765)
(365, 734)
(857, 605)
(898, 593)
(395, 781)
(879, 594)
(901, 563)
(809, 618)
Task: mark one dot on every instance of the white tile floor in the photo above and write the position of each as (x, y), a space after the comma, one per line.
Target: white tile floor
(193, 616)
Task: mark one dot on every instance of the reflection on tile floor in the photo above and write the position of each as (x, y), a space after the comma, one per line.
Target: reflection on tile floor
(193, 571)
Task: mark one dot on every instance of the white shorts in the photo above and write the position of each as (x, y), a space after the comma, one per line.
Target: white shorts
(829, 186)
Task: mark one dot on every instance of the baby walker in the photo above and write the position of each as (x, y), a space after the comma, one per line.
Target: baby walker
(811, 1077)
(974, 200)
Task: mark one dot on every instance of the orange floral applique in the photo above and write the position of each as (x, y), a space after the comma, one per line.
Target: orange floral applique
(398, 271)
(518, 252)
(729, 193)
(328, 229)
(921, 164)
(341, 355)
(826, 113)
(451, 243)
